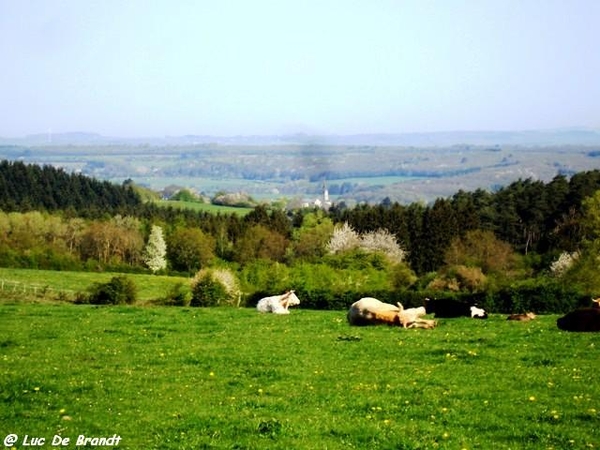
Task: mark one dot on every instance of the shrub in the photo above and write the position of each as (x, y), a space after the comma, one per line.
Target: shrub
(470, 278)
(213, 287)
(403, 276)
(178, 295)
(207, 292)
(118, 291)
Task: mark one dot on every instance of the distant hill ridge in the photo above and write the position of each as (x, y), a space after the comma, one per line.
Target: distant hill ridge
(569, 136)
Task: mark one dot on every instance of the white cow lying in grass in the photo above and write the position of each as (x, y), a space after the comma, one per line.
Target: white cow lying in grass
(370, 311)
(278, 304)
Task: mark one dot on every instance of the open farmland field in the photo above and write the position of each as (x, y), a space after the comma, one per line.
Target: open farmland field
(207, 207)
(186, 378)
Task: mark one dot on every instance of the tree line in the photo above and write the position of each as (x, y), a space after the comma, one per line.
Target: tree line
(534, 217)
(478, 243)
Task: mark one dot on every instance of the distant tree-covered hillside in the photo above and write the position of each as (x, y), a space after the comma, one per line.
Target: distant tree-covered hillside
(25, 187)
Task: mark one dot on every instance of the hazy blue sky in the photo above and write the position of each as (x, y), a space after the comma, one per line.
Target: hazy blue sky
(156, 68)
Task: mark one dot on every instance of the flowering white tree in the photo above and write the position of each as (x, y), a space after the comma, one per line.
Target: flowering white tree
(382, 241)
(156, 250)
(344, 238)
(563, 263)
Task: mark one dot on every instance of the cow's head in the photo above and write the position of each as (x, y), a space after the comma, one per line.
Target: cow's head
(292, 299)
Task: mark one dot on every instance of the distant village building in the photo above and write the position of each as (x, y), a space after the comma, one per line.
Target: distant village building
(323, 202)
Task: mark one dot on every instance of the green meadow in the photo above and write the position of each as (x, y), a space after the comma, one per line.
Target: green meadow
(226, 378)
(205, 207)
(44, 284)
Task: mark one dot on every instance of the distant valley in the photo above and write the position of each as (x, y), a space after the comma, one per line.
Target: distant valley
(359, 168)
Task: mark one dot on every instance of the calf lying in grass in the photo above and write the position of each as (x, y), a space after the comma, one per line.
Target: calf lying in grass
(410, 315)
(370, 311)
(522, 317)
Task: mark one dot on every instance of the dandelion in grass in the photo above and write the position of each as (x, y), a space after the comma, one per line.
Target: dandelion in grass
(532, 398)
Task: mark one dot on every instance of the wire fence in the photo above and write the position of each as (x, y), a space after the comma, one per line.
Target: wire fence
(41, 290)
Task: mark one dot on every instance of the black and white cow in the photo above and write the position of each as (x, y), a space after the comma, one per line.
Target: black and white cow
(448, 308)
(583, 319)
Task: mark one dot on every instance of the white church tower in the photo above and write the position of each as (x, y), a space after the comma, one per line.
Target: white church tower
(326, 201)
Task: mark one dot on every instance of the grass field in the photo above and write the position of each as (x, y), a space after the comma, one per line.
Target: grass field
(224, 378)
(207, 207)
(51, 283)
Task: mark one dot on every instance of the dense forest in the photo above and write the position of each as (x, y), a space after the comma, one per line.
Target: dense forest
(528, 244)
(31, 187)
